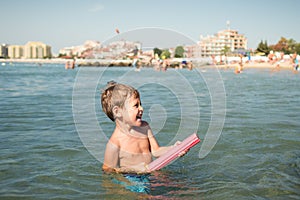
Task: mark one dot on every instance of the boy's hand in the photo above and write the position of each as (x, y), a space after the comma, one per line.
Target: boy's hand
(183, 152)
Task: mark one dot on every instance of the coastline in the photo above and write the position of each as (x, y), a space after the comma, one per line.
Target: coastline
(128, 63)
(254, 65)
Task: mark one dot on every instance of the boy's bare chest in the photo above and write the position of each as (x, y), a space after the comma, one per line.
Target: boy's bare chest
(135, 145)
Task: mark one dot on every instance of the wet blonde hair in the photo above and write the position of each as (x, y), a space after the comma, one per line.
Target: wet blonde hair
(115, 94)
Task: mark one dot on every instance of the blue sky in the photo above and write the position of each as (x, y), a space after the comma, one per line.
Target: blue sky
(62, 23)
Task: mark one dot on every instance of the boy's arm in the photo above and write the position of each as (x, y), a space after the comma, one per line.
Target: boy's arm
(111, 157)
(156, 150)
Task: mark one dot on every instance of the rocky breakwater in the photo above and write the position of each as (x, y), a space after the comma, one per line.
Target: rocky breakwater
(103, 63)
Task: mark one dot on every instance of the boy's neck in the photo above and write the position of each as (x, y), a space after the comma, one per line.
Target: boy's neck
(123, 127)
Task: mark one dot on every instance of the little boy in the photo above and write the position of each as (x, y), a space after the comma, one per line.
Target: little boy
(132, 144)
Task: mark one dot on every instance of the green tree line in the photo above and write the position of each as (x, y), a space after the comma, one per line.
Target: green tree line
(287, 46)
(179, 52)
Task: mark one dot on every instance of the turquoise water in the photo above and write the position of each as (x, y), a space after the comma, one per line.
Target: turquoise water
(43, 157)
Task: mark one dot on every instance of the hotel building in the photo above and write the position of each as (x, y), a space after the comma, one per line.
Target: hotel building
(15, 51)
(214, 45)
(37, 50)
(30, 50)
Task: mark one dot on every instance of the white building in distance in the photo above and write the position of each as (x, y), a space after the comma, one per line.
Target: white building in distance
(215, 45)
(30, 50)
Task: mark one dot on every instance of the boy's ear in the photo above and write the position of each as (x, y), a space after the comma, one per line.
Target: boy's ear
(117, 111)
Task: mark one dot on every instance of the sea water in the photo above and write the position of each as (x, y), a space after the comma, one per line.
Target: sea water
(44, 156)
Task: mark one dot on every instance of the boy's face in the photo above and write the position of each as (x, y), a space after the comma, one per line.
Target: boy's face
(133, 111)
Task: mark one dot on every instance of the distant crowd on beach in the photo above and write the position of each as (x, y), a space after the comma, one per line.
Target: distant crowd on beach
(274, 60)
(279, 57)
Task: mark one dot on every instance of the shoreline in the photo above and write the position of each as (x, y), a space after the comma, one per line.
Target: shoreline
(128, 63)
(253, 65)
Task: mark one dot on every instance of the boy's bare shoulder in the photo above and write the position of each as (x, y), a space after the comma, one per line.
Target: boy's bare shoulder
(145, 124)
(115, 140)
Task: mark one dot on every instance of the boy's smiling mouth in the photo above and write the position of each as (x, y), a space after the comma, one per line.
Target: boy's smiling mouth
(139, 117)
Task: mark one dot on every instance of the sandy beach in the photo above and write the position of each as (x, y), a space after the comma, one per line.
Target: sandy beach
(283, 65)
